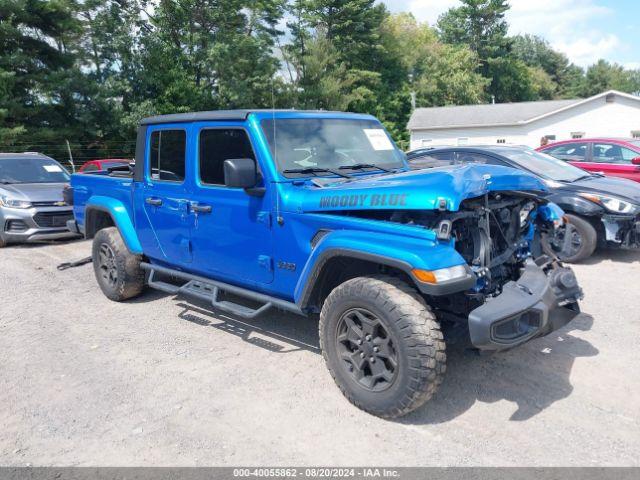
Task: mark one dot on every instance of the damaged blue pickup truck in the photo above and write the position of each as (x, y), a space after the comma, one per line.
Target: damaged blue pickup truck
(318, 213)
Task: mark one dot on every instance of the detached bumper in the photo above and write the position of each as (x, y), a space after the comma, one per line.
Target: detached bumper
(534, 306)
(622, 231)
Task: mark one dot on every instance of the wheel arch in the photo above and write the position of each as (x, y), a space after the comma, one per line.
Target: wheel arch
(337, 265)
(106, 212)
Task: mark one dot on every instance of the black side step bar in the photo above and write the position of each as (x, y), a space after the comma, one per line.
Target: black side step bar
(209, 290)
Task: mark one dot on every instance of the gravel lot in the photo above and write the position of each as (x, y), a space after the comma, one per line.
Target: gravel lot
(163, 381)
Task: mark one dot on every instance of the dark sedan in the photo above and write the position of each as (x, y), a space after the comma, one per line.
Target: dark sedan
(600, 211)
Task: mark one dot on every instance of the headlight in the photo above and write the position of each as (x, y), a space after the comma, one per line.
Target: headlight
(441, 275)
(14, 203)
(612, 204)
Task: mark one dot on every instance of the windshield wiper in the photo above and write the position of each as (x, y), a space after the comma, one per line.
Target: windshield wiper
(308, 170)
(362, 166)
(584, 177)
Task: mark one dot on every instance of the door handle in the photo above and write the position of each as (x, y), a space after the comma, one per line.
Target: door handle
(156, 202)
(201, 208)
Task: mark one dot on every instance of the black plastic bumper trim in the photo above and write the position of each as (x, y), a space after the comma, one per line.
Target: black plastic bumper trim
(534, 295)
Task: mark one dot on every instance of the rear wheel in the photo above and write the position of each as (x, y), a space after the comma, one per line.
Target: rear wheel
(382, 345)
(573, 242)
(117, 270)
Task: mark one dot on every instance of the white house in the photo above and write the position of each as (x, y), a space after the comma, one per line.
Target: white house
(609, 114)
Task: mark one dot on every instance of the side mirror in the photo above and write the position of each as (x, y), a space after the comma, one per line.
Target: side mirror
(240, 173)
(635, 161)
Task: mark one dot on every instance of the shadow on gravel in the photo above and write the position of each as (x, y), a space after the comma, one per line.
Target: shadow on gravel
(533, 376)
(613, 255)
(277, 332)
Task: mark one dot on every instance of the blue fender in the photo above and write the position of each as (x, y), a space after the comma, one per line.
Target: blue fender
(403, 252)
(121, 218)
(550, 212)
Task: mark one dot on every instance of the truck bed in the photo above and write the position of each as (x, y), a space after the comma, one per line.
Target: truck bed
(114, 186)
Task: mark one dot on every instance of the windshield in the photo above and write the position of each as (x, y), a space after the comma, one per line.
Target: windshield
(545, 165)
(329, 143)
(31, 170)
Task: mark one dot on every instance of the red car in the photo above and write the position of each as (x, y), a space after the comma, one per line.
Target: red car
(103, 164)
(612, 156)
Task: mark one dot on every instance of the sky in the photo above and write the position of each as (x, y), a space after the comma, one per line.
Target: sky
(585, 30)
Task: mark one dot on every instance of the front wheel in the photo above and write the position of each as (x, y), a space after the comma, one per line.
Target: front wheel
(573, 242)
(117, 270)
(382, 345)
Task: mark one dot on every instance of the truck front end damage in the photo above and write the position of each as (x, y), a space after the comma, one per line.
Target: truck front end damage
(519, 293)
(508, 291)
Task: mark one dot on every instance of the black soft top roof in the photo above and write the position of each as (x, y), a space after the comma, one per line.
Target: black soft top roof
(241, 114)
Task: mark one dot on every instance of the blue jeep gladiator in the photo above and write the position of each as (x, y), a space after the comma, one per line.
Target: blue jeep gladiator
(318, 213)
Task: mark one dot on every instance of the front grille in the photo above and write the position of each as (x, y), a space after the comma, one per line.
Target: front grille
(15, 226)
(51, 203)
(52, 219)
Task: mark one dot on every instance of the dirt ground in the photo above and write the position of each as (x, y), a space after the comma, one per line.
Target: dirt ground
(162, 381)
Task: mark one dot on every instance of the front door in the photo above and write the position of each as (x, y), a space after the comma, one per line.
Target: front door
(162, 202)
(231, 230)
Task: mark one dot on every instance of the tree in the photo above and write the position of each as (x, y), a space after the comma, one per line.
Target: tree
(563, 79)
(417, 63)
(603, 76)
(340, 39)
(37, 70)
(481, 25)
(220, 55)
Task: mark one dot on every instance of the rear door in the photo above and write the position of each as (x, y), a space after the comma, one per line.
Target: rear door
(161, 199)
(231, 230)
(614, 160)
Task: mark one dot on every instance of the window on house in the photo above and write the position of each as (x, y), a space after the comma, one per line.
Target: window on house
(502, 140)
(218, 145)
(167, 155)
(577, 135)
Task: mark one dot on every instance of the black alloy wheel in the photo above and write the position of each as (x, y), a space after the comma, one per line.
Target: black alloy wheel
(367, 349)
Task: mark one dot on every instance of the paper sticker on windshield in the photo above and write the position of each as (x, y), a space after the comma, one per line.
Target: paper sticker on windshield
(52, 168)
(378, 139)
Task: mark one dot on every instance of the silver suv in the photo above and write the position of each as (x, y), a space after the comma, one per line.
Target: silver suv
(31, 203)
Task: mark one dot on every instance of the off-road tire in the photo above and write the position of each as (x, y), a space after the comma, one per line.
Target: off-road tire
(588, 237)
(129, 277)
(416, 334)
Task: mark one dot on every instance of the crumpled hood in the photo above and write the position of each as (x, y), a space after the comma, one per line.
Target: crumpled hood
(414, 190)
(33, 192)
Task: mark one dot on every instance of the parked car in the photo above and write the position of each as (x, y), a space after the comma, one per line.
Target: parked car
(280, 208)
(611, 156)
(31, 203)
(601, 210)
(102, 165)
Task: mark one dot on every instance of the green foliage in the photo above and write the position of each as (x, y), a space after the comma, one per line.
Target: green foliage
(603, 76)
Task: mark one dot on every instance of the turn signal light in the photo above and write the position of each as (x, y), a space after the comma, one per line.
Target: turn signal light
(425, 276)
